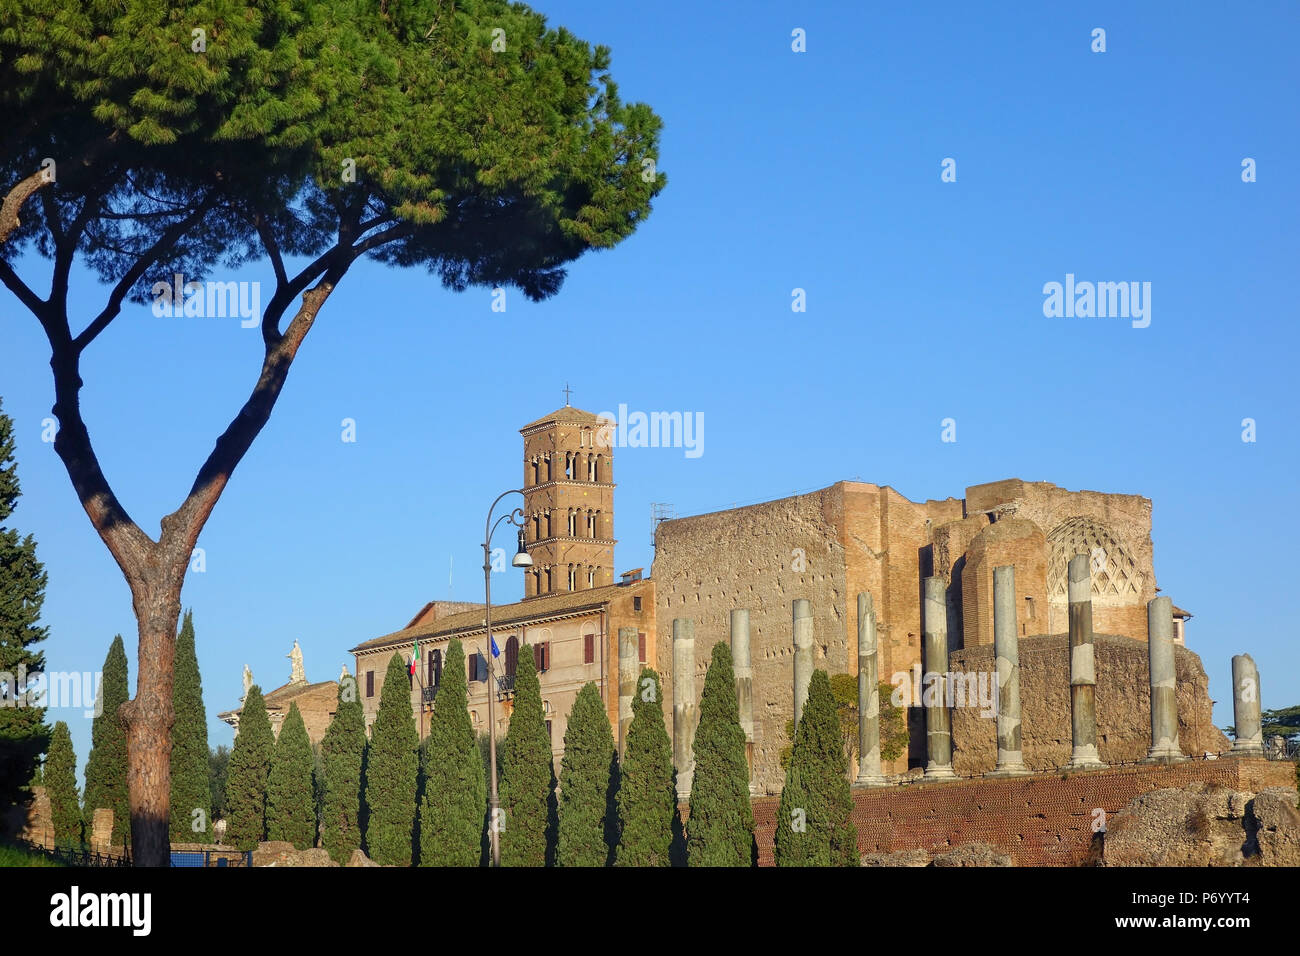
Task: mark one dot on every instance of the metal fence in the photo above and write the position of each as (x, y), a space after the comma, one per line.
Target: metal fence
(79, 855)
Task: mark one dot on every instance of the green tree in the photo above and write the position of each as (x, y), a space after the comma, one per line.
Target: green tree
(527, 775)
(218, 766)
(61, 788)
(290, 804)
(246, 779)
(305, 135)
(814, 822)
(24, 735)
(893, 724)
(342, 752)
(191, 790)
(391, 768)
(106, 766)
(588, 785)
(720, 830)
(647, 788)
(455, 794)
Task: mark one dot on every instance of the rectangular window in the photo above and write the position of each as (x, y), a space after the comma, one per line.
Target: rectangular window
(640, 647)
(589, 648)
(636, 604)
(542, 656)
(473, 667)
(370, 683)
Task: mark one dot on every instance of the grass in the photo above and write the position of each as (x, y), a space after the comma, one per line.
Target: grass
(13, 856)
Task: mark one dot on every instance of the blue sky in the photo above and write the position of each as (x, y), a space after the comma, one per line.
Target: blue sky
(820, 171)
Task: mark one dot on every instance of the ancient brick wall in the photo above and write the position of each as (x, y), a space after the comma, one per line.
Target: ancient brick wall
(1123, 704)
(1042, 820)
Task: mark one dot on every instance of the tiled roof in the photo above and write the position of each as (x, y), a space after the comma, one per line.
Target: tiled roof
(503, 615)
(566, 414)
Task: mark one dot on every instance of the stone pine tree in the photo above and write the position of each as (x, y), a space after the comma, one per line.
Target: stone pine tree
(391, 768)
(455, 795)
(720, 829)
(106, 766)
(302, 138)
(290, 802)
(24, 735)
(647, 786)
(814, 819)
(588, 781)
(60, 773)
(246, 776)
(342, 751)
(191, 786)
(527, 775)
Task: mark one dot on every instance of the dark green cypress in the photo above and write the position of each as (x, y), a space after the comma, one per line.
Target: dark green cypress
(720, 829)
(814, 819)
(246, 777)
(391, 769)
(24, 735)
(106, 764)
(588, 778)
(290, 804)
(61, 787)
(647, 788)
(527, 775)
(191, 788)
(341, 752)
(455, 794)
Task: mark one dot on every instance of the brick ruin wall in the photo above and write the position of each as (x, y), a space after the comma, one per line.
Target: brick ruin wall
(1123, 704)
(1042, 820)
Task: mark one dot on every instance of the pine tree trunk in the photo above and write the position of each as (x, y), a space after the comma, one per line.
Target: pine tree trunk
(149, 717)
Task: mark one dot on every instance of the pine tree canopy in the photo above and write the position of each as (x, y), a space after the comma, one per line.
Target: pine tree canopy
(60, 775)
(647, 789)
(106, 786)
(246, 776)
(342, 751)
(290, 803)
(191, 787)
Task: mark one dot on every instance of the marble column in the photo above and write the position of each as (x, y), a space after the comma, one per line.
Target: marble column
(869, 770)
(744, 682)
(1164, 683)
(684, 703)
(1083, 669)
(1245, 707)
(803, 655)
(1006, 650)
(628, 669)
(938, 725)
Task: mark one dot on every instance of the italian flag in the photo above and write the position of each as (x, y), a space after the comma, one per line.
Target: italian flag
(415, 657)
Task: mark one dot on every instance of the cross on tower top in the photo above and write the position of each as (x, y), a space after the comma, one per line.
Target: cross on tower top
(567, 392)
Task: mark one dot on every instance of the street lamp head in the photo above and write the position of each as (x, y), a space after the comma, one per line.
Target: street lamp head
(522, 558)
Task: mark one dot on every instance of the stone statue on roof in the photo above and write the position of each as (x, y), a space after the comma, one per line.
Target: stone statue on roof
(248, 681)
(298, 676)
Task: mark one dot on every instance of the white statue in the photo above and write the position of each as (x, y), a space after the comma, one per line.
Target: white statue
(295, 656)
(248, 681)
(344, 675)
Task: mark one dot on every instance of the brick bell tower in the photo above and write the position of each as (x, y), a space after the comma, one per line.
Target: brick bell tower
(568, 502)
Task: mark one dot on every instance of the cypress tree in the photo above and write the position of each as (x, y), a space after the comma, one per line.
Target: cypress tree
(588, 779)
(391, 768)
(527, 775)
(342, 751)
(61, 788)
(191, 787)
(814, 822)
(720, 830)
(455, 793)
(246, 776)
(106, 764)
(647, 789)
(290, 804)
(24, 735)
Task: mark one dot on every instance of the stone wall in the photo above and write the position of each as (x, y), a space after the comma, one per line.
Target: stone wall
(1041, 820)
(1123, 704)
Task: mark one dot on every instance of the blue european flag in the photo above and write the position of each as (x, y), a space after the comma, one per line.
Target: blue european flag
(496, 651)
